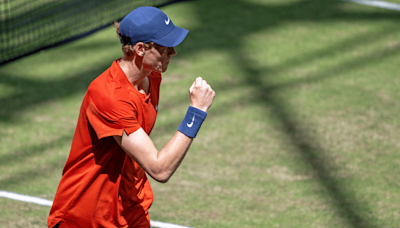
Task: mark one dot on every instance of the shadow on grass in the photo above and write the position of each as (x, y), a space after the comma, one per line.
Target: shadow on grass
(25, 156)
(237, 19)
(33, 93)
(37, 92)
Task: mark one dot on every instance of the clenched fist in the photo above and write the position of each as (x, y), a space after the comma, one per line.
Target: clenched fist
(201, 94)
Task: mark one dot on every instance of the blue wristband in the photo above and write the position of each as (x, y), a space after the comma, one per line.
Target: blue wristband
(192, 122)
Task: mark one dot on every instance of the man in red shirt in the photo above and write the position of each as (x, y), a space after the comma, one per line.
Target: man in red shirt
(104, 182)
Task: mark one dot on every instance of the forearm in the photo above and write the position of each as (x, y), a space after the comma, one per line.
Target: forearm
(160, 165)
(171, 155)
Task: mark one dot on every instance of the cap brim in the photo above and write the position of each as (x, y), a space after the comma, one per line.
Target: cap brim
(172, 39)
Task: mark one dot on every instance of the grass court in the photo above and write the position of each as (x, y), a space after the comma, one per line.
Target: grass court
(304, 130)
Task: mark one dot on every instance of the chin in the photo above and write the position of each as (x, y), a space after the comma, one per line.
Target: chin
(163, 70)
(160, 70)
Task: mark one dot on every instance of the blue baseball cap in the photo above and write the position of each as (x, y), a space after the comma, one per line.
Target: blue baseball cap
(150, 24)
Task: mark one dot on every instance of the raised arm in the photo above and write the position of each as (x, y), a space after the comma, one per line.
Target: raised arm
(160, 165)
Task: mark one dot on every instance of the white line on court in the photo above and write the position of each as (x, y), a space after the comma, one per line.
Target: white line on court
(45, 202)
(380, 4)
(25, 198)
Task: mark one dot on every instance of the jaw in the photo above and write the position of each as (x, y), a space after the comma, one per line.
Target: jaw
(164, 66)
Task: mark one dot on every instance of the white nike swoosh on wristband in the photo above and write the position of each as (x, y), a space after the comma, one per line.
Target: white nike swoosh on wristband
(191, 124)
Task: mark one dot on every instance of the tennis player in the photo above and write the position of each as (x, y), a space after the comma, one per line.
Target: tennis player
(104, 181)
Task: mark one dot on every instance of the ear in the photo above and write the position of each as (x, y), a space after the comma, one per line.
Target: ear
(139, 49)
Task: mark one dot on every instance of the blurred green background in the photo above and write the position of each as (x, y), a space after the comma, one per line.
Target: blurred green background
(303, 132)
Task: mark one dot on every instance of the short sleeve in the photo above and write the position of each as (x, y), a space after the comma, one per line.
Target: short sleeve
(112, 118)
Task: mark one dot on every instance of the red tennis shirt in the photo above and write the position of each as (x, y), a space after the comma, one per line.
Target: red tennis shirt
(101, 185)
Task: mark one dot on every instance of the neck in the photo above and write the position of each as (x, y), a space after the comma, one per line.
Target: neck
(134, 71)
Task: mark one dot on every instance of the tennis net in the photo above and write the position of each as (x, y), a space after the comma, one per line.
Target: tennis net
(27, 26)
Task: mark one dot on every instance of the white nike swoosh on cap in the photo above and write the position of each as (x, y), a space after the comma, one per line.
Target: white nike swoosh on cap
(167, 22)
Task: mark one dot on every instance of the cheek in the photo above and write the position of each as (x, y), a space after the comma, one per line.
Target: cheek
(152, 61)
(156, 64)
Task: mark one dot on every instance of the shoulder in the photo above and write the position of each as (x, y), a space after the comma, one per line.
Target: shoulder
(110, 96)
(99, 89)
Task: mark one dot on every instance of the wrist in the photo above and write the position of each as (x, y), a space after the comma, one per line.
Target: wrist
(201, 109)
(192, 122)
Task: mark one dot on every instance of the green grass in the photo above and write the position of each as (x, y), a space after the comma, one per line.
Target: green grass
(303, 131)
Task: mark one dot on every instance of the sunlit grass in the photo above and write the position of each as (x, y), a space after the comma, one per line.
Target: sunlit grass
(303, 131)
